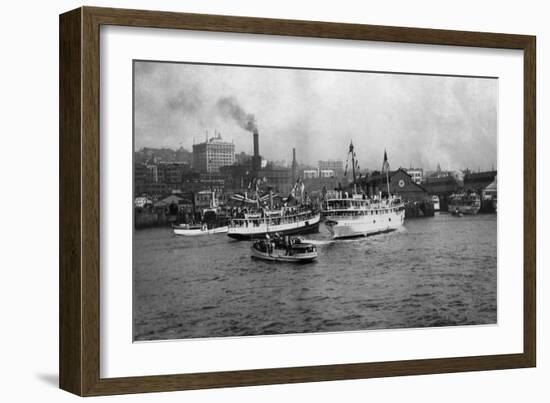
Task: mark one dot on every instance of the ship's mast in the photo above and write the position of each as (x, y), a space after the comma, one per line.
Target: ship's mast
(386, 167)
(352, 165)
(352, 162)
(257, 193)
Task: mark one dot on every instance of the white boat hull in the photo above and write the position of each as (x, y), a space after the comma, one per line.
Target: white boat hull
(199, 231)
(364, 225)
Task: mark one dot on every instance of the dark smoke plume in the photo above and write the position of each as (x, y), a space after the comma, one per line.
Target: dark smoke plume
(230, 107)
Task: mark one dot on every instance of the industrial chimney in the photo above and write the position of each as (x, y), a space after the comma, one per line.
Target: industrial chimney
(293, 166)
(256, 159)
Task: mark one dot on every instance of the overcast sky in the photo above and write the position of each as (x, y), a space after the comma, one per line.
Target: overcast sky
(419, 120)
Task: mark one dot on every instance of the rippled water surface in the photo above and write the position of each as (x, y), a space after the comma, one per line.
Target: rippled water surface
(438, 271)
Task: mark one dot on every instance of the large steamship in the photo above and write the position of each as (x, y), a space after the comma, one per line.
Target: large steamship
(286, 221)
(355, 214)
(261, 220)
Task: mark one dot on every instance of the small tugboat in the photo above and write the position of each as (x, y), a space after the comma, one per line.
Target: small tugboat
(197, 229)
(291, 250)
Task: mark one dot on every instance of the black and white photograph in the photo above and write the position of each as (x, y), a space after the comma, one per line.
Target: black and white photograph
(270, 200)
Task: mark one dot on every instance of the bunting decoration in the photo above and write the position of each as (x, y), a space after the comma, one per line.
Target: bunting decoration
(245, 199)
(242, 198)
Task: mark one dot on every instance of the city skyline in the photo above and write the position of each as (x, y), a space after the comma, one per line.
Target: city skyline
(286, 163)
(427, 120)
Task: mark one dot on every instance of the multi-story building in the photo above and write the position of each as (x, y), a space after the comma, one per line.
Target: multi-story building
(337, 166)
(140, 174)
(152, 174)
(159, 178)
(417, 174)
(214, 153)
(310, 173)
(327, 173)
(236, 177)
(172, 172)
(280, 179)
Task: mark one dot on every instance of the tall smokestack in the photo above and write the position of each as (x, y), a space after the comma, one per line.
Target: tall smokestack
(256, 144)
(256, 159)
(293, 166)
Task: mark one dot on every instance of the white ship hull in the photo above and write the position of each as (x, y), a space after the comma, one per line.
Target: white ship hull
(342, 226)
(199, 231)
(259, 228)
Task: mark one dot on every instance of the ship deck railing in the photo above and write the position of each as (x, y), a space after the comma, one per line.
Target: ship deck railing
(273, 220)
(363, 205)
(363, 212)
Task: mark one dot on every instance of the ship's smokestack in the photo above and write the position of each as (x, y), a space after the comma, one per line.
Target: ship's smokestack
(256, 159)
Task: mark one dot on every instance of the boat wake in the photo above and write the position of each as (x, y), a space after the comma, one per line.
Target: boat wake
(401, 229)
(318, 241)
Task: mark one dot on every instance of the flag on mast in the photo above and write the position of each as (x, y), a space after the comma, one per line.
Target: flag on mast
(386, 167)
(385, 164)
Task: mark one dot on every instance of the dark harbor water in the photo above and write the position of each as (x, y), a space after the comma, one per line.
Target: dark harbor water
(439, 271)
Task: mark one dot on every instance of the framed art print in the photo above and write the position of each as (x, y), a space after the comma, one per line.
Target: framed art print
(250, 201)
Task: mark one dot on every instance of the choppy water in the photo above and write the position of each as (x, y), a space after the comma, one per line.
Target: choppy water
(439, 271)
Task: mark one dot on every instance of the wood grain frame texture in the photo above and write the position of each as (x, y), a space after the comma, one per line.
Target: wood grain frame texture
(79, 345)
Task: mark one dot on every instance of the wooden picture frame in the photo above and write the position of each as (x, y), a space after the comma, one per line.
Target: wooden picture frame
(79, 347)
